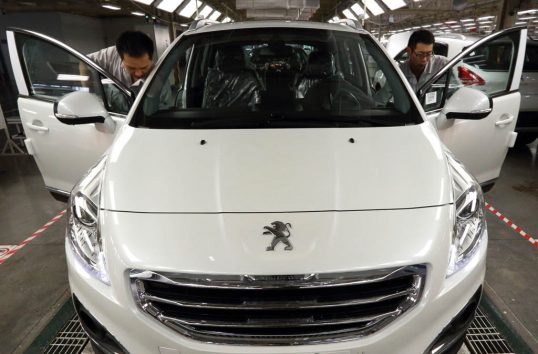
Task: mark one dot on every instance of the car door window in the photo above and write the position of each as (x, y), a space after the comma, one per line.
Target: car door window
(53, 72)
(487, 68)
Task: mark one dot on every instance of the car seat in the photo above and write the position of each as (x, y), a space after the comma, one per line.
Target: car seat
(230, 83)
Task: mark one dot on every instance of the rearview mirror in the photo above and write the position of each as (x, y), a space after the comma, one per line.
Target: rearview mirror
(379, 80)
(468, 103)
(80, 108)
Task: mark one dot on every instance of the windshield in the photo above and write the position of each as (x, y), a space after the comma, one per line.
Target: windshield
(275, 78)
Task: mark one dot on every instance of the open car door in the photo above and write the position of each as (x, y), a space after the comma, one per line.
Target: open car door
(492, 65)
(45, 71)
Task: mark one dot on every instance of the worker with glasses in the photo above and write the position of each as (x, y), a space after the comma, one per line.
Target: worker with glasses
(422, 63)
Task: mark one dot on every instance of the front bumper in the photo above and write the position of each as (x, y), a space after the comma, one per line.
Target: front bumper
(115, 310)
(450, 339)
(447, 342)
(97, 333)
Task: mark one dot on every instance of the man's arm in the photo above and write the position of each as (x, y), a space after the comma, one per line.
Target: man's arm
(99, 57)
(104, 58)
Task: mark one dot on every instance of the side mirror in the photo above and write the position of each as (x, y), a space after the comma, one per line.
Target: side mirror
(80, 108)
(467, 103)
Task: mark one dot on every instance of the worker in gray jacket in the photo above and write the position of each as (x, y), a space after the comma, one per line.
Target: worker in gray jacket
(130, 60)
(422, 63)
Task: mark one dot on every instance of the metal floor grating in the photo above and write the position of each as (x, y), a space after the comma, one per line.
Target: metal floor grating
(71, 339)
(483, 338)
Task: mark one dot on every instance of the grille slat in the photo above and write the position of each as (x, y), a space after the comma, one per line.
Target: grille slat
(298, 322)
(281, 309)
(258, 305)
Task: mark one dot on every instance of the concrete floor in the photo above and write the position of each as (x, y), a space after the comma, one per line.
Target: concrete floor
(34, 282)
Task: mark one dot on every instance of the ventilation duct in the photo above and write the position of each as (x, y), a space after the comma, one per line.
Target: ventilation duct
(278, 9)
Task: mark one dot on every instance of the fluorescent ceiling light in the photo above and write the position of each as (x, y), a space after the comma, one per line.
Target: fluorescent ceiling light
(450, 22)
(136, 13)
(527, 18)
(111, 7)
(69, 77)
(169, 5)
(483, 22)
(226, 20)
(373, 6)
(348, 14)
(527, 11)
(206, 11)
(189, 9)
(467, 20)
(336, 19)
(215, 15)
(394, 4)
(145, 2)
(484, 18)
(469, 25)
(520, 23)
(359, 11)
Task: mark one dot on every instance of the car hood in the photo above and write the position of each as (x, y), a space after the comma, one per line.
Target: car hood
(319, 242)
(275, 170)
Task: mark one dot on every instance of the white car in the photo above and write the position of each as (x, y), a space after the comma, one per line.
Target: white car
(486, 70)
(278, 204)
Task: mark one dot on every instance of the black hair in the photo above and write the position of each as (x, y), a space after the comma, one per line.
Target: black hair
(135, 44)
(420, 36)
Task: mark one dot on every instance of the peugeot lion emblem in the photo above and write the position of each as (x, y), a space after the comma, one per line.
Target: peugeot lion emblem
(281, 233)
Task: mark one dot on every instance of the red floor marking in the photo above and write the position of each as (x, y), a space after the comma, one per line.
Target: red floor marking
(512, 225)
(14, 249)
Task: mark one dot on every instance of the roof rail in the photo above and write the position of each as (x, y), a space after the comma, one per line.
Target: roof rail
(451, 35)
(348, 22)
(201, 22)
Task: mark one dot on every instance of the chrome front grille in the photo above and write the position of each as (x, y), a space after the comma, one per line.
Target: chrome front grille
(280, 309)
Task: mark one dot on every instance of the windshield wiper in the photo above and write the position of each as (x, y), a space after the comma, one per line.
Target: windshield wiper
(363, 118)
(276, 120)
(357, 121)
(259, 120)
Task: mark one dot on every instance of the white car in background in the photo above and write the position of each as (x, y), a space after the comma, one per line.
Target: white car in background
(279, 203)
(485, 70)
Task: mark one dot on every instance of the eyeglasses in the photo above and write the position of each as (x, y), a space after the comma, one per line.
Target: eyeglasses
(423, 55)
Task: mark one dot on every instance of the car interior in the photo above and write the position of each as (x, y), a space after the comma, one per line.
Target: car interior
(263, 75)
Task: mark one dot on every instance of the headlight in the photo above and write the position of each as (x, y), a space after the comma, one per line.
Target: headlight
(83, 223)
(470, 221)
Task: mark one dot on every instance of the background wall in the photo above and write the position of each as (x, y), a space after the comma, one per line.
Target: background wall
(161, 39)
(84, 34)
(159, 33)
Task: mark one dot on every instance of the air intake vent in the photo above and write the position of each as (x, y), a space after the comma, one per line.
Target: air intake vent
(280, 309)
